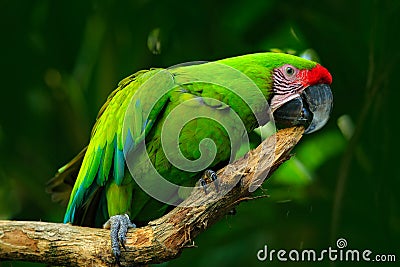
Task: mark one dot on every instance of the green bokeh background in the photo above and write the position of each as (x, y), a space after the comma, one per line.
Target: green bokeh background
(60, 60)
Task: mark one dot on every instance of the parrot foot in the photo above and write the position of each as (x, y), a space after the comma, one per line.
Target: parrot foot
(118, 225)
(209, 176)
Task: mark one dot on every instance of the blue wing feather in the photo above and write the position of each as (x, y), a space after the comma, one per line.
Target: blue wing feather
(119, 165)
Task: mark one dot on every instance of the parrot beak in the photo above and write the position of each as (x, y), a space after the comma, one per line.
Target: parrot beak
(310, 109)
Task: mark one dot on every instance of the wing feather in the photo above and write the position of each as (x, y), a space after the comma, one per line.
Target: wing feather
(104, 158)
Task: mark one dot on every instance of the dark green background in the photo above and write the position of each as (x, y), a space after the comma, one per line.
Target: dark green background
(60, 60)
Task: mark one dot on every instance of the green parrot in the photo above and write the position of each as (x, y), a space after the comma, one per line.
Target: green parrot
(155, 123)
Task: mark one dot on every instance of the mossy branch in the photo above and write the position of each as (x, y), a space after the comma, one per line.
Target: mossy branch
(161, 240)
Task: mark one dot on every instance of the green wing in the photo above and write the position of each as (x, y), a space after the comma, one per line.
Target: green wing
(128, 116)
(123, 122)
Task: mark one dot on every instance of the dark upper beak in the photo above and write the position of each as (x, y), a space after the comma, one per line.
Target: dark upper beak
(311, 109)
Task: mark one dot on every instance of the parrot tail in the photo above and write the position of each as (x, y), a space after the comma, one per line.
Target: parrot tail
(60, 186)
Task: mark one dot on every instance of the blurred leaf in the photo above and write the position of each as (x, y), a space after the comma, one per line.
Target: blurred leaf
(291, 180)
(310, 54)
(154, 42)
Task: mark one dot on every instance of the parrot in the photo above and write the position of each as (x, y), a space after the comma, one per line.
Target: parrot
(108, 182)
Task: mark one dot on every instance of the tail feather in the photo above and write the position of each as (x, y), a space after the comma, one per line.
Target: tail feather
(60, 186)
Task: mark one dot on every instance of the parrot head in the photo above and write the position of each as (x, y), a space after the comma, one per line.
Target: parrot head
(301, 96)
(298, 90)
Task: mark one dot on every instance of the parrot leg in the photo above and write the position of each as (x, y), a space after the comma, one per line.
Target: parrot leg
(118, 225)
(209, 176)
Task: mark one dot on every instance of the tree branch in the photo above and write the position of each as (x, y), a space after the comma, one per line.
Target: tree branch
(161, 240)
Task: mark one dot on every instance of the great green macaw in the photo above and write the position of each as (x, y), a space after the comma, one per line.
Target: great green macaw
(190, 103)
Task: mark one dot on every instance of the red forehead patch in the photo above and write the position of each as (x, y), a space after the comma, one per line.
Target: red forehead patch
(318, 75)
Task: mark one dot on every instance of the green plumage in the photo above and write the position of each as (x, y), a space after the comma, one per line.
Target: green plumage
(104, 186)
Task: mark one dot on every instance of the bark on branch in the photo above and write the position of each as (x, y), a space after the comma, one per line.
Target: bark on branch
(161, 240)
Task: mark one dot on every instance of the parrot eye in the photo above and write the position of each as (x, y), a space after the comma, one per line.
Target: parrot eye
(289, 71)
